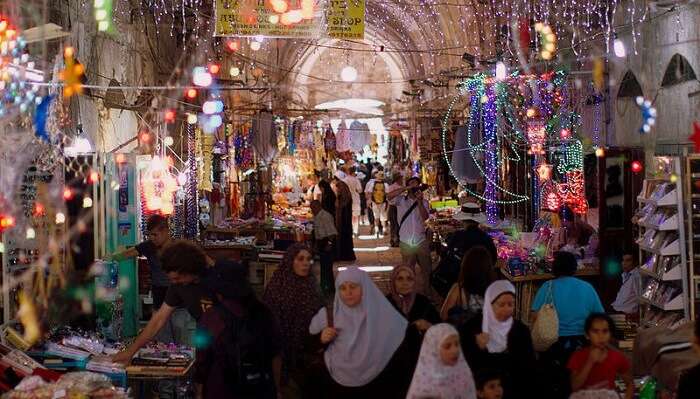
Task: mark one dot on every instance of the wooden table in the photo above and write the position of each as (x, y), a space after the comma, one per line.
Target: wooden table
(526, 286)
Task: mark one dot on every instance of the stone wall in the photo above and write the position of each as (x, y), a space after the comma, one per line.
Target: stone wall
(668, 33)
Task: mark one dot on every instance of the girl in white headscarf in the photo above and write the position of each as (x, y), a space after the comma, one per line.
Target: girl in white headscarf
(442, 371)
(496, 341)
(364, 338)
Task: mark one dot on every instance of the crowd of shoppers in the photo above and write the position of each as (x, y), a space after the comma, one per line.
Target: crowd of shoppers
(344, 338)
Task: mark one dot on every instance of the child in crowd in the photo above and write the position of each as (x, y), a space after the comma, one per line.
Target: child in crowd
(442, 371)
(488, 385)
(597, 365)
(689, 384)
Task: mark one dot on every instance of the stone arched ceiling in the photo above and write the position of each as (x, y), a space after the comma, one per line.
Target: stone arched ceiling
(420, 41)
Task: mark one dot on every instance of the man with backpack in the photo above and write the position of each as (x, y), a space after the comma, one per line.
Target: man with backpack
(376, 191)
(241, 357)
(412, 212)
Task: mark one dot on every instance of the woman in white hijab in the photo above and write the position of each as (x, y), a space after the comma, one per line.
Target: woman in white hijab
(496, 341)
(442, 371)
(362, 342)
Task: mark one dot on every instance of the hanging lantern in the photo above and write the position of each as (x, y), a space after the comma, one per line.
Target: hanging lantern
(158, 186)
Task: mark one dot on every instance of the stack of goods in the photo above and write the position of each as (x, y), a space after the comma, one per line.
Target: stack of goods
(71, 385)
(15, 365)
(627, 331)
(160, 358)
(654, 241)
(246, 241)
(661, 265)
(658, 318)
(660, 293)
(71, 349)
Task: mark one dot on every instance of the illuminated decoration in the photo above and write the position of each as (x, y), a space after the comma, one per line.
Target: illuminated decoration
(159, 186)
(501, 70)
(573, 192)
(636, 166)
(168, 141)
(648, 114)
(536, 136)
(16, 74)
(255, 46)
(518, 114)
(72, 74)
(211, 117)
(550, 198)
(279, 6)
(192, 119)
(103, 15)
(233, 45)
(191, 94)
(348, 74)
(67, 194)
(548, 41)
(60, 218)
(201, 77)
(214, 69)
(234, 71)
(307, 9)
(599, 74)
(599, 152)
(120, 158)
(544, 172)
(169, 116)
(6, 222)
(695, 137)
(619, 48)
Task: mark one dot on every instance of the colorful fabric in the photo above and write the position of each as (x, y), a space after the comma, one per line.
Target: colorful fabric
(368, 334)
(435, 379)
(405, 302)
(497, 330)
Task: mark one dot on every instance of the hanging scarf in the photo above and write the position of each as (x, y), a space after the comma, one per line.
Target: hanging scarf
(405, 302)
(497, 330)
(435, 379)
(293, 300)
(368, 334)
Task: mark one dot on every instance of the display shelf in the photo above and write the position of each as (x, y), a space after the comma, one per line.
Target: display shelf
(669, 224)
(662, 193)
(670, 199)
(674, 304)
(671, 249)
(692, 187)
(672, 275)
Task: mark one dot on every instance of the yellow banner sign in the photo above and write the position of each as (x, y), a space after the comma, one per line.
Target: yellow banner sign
(342, 19)
(346, 19)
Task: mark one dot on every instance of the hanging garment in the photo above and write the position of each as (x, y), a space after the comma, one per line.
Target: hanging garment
(359, 137)
(265, 137)
(343, 138)
(463, 163)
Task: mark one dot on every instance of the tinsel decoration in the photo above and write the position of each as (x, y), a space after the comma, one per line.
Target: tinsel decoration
(245, 150)
(191, 200)
(205, 147)
(291, 140)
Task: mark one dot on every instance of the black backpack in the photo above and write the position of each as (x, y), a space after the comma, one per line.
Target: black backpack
(244, 357)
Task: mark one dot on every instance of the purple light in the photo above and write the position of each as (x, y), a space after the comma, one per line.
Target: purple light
(490, 135)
